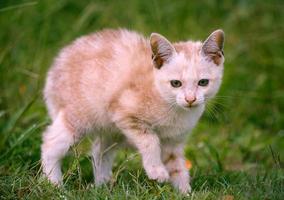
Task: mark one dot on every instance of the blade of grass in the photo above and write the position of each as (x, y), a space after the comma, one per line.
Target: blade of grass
(18, 6)
(22, 138)
(14, 120)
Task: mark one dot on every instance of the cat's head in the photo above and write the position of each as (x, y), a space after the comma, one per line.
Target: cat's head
(187, 74)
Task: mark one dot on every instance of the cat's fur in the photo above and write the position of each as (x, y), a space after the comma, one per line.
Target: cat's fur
(116, 84)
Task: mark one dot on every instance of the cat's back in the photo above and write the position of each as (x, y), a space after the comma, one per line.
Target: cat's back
(105, 49)
(94, 67)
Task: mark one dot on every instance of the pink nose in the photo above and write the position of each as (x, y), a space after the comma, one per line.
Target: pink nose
(190, 100)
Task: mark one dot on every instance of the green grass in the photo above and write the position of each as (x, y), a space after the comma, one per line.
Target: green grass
(237, 148)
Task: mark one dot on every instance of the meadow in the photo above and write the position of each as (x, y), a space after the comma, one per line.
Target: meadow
(237, 149)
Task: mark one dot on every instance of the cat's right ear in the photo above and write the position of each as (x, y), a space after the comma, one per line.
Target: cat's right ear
(162, 50)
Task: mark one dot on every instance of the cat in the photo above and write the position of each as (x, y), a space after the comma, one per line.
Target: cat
(128, 89)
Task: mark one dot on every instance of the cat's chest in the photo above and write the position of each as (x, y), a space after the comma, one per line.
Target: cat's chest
(179, 123)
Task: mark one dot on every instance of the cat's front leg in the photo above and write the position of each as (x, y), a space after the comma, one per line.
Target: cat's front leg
(173, 158)
(148, 145)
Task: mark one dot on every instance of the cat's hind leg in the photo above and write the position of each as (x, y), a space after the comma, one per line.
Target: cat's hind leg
(103, 153)
(57, 139)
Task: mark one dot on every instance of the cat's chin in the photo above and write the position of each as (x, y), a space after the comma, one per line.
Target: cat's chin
(189, 107)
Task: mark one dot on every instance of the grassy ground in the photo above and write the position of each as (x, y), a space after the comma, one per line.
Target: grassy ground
(237, 148)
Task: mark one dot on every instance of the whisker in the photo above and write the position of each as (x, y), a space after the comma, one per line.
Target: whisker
(218, 110)
(224, 96)
(210, 113)
(220, 104)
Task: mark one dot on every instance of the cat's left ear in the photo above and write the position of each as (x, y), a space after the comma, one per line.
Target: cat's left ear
(213, 46)
(162, 50)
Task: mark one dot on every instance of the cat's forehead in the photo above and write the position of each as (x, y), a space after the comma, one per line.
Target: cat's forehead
(189, 57)
(189, 62)
(189, 49)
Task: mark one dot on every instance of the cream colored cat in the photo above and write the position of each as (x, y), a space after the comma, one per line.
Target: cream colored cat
(124, 87)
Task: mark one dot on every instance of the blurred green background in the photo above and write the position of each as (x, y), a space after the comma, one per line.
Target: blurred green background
(240, 135)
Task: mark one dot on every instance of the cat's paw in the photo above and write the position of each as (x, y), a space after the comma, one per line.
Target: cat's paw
(158, 173)
(102, 179)
(181, 182)
(184, 188)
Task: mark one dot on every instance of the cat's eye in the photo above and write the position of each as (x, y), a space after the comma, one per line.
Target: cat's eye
(203, 82)
(176, 83)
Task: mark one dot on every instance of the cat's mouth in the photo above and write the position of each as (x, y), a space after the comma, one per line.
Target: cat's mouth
(189, 106)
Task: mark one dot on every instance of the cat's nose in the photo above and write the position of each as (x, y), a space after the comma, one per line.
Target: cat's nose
(190, 100)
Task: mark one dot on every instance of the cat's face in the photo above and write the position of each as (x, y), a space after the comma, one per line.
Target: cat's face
(187, 74)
